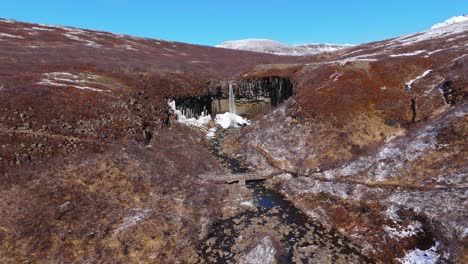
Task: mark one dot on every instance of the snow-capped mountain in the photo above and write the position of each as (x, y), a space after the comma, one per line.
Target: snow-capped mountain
(322, 48)
(278, 48)
(450, 21)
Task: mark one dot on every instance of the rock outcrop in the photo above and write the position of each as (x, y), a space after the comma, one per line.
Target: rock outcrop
(276, 88)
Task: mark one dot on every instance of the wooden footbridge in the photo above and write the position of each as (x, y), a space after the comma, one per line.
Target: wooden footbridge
(241, 178)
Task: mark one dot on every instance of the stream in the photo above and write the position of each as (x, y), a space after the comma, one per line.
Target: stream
(271, 228)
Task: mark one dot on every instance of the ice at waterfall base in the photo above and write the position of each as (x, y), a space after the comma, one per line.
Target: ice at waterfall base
(227, 120)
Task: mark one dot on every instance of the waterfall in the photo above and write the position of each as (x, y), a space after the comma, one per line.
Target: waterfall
(232, 103)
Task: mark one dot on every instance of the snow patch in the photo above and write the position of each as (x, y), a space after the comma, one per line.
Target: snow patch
(9, 36)
(408, 54)
(395, 135)
(408, 84)
(43, 29)
(435, 51)
(89, 43)
(73, 81)
(451, 21)
(127, 47)
(284, 176)
(458, 58)
(227, 120)
(211, 132)
(419, 256)
(450, 29)
(129, 221)
(324, 47)
(345, 61)
(51, 83)
(196, 61)
(9, 21)
(247, 203)
(263, 253)
(335, 76)
(400, 232)
(278, 48)
(392, 213)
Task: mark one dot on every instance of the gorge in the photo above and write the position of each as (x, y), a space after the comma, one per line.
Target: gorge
(105, 140)
(248, 97)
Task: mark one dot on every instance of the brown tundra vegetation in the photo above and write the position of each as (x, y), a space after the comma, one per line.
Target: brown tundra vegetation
(94, 167)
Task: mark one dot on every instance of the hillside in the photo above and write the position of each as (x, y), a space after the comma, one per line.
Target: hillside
(373, 141)
(49, 73)
(369, 142)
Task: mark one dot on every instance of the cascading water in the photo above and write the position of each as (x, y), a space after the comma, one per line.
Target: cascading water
(231, 119)
(232, 103)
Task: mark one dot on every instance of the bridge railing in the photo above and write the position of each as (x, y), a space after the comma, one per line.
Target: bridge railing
(234, 177)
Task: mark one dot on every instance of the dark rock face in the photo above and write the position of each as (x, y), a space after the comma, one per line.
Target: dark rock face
(451, 93)
(194, 106)
(276, 88)
(252, 96)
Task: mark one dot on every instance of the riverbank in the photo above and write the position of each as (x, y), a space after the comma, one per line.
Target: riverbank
(260, 226)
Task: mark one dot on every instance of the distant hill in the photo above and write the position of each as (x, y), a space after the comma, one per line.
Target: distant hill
(278, 48)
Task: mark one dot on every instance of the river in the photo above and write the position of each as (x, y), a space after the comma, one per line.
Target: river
(272, 228)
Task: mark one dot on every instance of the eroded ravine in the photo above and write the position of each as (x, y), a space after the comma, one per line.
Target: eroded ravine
(271, 228)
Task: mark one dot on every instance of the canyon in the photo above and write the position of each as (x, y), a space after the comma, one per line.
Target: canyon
(105, 140)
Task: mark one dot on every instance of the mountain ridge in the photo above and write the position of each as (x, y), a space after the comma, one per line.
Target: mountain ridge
(278, 48)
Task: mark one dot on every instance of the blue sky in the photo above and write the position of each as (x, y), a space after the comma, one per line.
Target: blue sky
(211, 22)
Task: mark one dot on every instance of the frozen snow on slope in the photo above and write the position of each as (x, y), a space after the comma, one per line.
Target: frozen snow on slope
(9, 21)
(81, 81)
(455, 30)
(419, 256)
(408, 84)
(43, 29)
(450, 21)
(390, 157)
(9, 35)
(408, 231)
(51, 83)
(89, 43)
(392, 213)
(401, 46)
(278, 48)
(408, 54)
